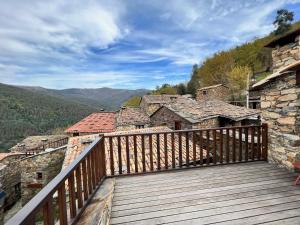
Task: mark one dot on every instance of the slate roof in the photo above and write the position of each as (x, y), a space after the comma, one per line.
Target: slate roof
(287, 69)
(100, 122)
(197, 111)
(210, 87)
(286, 38)
(32, 142)
(132, 116)
(162, 99)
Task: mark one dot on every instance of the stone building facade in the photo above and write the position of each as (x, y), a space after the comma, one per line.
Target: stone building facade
(38, 170)
(215, 92)
(280, 102)
(191, 114)
(151, 103)
(129, 118)
(285, 50)
(166, 117)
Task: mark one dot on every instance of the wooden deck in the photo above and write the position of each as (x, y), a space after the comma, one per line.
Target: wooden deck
(247, 193)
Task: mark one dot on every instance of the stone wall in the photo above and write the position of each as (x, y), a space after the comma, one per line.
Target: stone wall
(38, 170)
(216, 93)
(150, 108)
(130, 127)
(165, 117)
(285, 55)
(10, 179)
(280, 110)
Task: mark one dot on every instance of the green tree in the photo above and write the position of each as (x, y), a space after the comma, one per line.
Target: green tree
(164, 90)
(193, 84)
(237, 79)
(283, 21)
(181, 89)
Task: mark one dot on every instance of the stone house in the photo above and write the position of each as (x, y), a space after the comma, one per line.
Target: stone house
(191, 114)
(280, 100)
(215, 92)
(38, 170)
(151, 103)
(132, 118)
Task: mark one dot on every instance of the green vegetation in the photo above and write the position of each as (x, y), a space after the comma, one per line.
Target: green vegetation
(283, 21)
(133, 101)
(24, 113)
(165, 89)
(233, 66)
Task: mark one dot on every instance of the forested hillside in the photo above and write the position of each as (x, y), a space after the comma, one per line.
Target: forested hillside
(23, 113)
(233, 66)
(106, 98)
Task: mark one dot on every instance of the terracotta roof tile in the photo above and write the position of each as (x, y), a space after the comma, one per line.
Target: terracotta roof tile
(100, 122)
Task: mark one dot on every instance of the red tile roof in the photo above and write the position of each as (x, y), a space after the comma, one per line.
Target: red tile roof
(100, 122)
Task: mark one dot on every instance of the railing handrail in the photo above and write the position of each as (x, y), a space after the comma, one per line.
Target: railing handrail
(38, 200)
(179, 131)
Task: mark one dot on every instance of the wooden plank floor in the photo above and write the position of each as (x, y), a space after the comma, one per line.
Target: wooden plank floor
(248, 193)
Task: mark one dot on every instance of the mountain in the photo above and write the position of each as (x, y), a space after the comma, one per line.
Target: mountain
(105, 98)
(28, 111)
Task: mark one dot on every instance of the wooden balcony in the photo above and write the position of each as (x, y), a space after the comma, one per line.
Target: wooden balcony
(203, 176)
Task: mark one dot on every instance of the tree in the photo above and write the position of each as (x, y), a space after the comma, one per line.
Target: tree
(237, 79)
(181, 89)
(164, 90)
(283, 21)
(193, 84)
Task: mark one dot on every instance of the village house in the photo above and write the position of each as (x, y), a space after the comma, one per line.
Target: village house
(280, 100)
(129, 118)
(100, 122)
(191, 114)
(151, 103)
(215, 92)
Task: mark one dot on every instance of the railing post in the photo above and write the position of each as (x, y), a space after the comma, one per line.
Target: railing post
(265, 141)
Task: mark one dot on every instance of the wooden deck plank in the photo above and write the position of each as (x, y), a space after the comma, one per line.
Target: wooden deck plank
(193, 177)
(206, 197)
(221, 186)
(178, 209)
(196, 182)
(287, 221)
(203, 170)
(231, 194)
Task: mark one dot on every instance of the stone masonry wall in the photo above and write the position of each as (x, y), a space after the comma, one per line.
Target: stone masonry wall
(38, 170)
(285, 55)
(165, 117)
(130, 127)
(217, 93)
(280, 110)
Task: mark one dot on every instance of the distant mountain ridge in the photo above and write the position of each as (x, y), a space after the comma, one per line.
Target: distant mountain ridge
(26, 111)
(108, 99)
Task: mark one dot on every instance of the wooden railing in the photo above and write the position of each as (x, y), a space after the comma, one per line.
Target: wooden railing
(150, 152)
(52, 144)
(66, 196)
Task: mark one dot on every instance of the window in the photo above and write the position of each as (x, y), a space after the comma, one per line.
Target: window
(39, 175)
(177, 125)
(298, 77)
(139, 126)
(204, 92)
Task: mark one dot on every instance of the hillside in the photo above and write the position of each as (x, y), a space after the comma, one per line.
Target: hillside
(24, 112)
(232, 66)
(106, 98)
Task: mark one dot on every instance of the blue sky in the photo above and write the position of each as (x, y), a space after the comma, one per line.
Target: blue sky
(123, 43)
